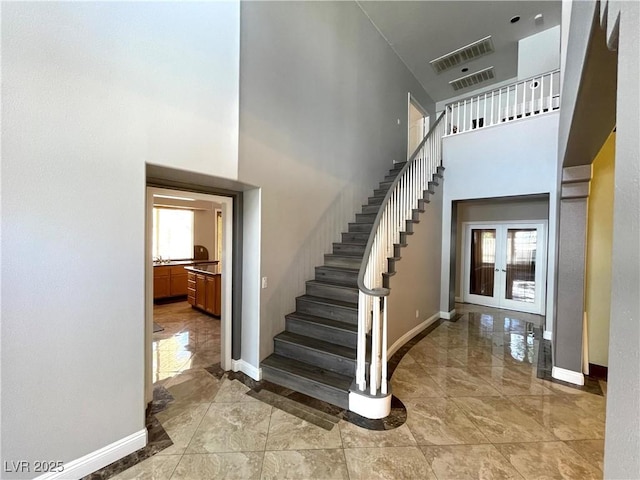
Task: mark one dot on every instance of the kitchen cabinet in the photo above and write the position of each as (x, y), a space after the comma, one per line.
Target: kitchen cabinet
(169, 281)
(203, 287)
(161, 282)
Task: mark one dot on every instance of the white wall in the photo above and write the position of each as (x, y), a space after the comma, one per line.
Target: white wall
(90, 92)
(321, 94)
(512, 159)
(539, 53)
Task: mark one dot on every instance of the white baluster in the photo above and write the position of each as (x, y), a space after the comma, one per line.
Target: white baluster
(375, 344)
(464, 118)
(446, 118)
(362, 346)
(542, 97)
(383, 376)
(492, 110)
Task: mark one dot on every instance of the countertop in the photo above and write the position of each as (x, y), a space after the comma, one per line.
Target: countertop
(207, 269)
(174, 263)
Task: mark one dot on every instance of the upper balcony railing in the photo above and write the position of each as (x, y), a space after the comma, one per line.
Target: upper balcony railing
(526, 98)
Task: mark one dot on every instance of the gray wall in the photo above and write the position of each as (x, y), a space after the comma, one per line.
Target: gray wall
(321, 94)
(90, 92)
(495, 211)
(579, 33)
(623, 396)
(416, 284)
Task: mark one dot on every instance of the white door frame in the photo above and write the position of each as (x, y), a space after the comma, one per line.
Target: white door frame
(411, 100)
(498, 300)
(226, 278)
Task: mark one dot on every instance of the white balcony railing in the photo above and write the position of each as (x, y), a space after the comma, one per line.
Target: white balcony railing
(526, 98)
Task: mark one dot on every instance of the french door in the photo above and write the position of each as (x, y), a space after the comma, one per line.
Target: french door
(505, 265)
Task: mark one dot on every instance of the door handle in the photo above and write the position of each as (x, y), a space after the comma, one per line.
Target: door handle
(503, 270)
(497, 269)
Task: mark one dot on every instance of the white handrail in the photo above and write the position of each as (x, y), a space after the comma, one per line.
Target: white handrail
(396, 209)
(483, 111)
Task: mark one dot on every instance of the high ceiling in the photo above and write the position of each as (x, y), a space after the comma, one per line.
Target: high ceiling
(424, 30)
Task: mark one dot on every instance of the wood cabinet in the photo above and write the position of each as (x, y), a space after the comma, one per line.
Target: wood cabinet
(169, 281)
(161, 282)
(204, 292)
(178, 282)
(212, 297)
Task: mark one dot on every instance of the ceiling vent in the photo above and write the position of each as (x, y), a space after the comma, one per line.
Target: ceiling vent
(476, 49)
(473, 79)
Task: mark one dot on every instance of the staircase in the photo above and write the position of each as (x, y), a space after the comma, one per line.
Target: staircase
(316, 354)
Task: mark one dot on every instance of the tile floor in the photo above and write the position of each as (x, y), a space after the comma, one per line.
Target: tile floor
(475, 409)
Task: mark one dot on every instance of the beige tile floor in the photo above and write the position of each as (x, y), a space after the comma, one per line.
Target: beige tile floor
(475, 410)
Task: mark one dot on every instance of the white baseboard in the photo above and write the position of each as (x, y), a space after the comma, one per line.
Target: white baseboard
(577, 378)
(244, 367)
(448, 315)
(93, 461)
(547, 335)
(411, 333)
(459, 300)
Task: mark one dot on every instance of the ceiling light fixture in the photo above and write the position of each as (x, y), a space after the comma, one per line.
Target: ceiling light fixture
(515, 19)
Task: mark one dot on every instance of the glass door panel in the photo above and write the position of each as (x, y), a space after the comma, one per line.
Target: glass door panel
(505, 266)
(483, 262)
(520, 281)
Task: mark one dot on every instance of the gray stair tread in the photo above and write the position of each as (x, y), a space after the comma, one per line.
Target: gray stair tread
(338, 269)
(328, 301)
(337, 324)
(319, 345)
(311, 372)
(348, 255)
(329, 284)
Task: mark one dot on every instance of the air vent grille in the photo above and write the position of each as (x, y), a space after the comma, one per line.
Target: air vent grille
(473, 79)
(476, 49)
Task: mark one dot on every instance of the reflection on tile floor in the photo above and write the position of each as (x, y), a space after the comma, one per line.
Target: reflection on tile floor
(190, 340)
(475, 409)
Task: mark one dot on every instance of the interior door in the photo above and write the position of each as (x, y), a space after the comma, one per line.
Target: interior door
(505, 266)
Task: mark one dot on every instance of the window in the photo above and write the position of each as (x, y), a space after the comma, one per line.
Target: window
(172, 233)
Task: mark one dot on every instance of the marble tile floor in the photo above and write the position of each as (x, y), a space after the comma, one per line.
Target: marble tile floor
(190, 340)
(475, 408)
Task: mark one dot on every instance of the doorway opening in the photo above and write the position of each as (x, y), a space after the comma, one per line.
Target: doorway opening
(189, 276)
(505, 265)
(418, 125)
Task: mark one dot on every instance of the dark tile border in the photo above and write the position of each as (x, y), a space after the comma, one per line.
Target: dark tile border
(157, 438)
(312, 408)
(545, 366)
(598, 371)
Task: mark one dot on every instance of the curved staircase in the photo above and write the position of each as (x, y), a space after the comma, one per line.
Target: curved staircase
(316, 354)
